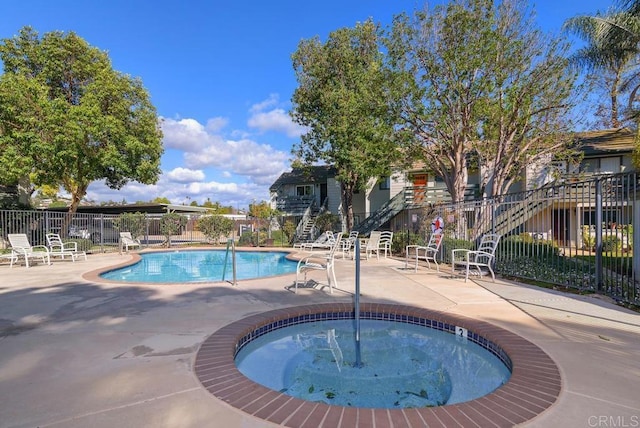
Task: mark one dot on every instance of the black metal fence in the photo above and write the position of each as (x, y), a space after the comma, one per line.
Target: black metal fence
(577, 234)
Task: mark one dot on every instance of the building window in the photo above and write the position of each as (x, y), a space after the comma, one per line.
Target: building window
(306, 190)
(384, 183)
(590, 165)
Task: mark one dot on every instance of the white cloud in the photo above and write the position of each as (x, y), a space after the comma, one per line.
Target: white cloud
(273, 100)
(276, 120)
(187, 134)
(243, 168)
(185, 175)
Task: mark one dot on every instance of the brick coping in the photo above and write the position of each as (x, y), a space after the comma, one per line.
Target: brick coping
(533, 387)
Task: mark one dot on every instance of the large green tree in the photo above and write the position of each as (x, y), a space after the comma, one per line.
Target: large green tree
(477, 81)
(342, 100)
(67, 118)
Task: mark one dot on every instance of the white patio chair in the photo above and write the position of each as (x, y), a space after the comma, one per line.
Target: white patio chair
(482, 257)
(57, 248)
(373, 244)
(312, 263)
(21, 248)
(349, 243)
(126, 241)
(386, 239)
(428, 253)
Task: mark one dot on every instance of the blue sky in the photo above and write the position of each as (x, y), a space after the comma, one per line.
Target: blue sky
(220, 75)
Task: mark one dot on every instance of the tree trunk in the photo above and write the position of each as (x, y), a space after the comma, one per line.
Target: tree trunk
(346, 194)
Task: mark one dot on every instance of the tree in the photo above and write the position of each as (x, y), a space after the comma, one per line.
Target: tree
(68, 119)
(527, 116)
(161, 200)
(215, 226)
(172, 224)
(476, 81)
(342, 101)
(609, 67)
(618, 33)
(135, 223)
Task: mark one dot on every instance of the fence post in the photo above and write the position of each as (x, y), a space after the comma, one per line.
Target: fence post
(599, 232)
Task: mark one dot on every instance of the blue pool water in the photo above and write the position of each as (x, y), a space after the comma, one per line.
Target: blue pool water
(404, 365)
(202, 266)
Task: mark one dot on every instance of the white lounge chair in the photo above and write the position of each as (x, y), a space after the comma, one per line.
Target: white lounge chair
(21, 248)
(311, 263)
(326, 241)
(126, 241)
(482, 257)
(428, 253)
(373, 244)
(57, 248)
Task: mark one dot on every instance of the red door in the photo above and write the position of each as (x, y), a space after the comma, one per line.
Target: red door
(419, 187)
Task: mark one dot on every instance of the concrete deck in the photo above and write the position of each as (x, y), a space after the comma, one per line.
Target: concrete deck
(76, 352)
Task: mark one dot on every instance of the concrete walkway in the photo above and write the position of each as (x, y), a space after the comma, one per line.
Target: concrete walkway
(80, 353)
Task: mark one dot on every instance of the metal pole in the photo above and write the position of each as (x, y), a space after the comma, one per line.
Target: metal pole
(599, 219)
(357, 304)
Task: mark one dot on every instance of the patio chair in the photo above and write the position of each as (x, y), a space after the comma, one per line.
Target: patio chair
(10, 257)
(348, 243)
(57, 248)
(326, 241)
(386, 239)
(428, 253)
(373, 244)
(482, 257)
(21, 248)
(126, 241)
(311, 263)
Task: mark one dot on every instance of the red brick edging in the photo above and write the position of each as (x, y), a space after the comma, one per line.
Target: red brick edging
(533, 387)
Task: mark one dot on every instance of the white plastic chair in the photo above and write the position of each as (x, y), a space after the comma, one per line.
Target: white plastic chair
(310, 263)
(348, 243)
(21, 247)
(373, 244)
(428, 253)
(57, 248)
(482, 257)
(386, 239)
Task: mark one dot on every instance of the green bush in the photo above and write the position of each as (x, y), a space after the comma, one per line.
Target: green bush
(611, 243)
(248, 238)
(83, 244)
(215, 227)
(400, 241)
(131, 222)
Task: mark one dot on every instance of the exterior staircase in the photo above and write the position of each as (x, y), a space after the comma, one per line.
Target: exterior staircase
(390, 209)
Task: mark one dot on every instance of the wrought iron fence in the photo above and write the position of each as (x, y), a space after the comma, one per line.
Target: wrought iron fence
(577, 234)
(101, 232)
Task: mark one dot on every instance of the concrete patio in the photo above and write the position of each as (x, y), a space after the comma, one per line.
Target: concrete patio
(77, 352)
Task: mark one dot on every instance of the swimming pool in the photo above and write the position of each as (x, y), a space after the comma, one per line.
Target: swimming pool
(202, 266)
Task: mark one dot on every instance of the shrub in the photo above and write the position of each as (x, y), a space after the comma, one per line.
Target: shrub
(215, 226)
(172, 224)
(83, 244)
(611, 243)
(131, 222)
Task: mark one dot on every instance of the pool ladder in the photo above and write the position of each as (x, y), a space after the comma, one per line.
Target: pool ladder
(231, 245)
